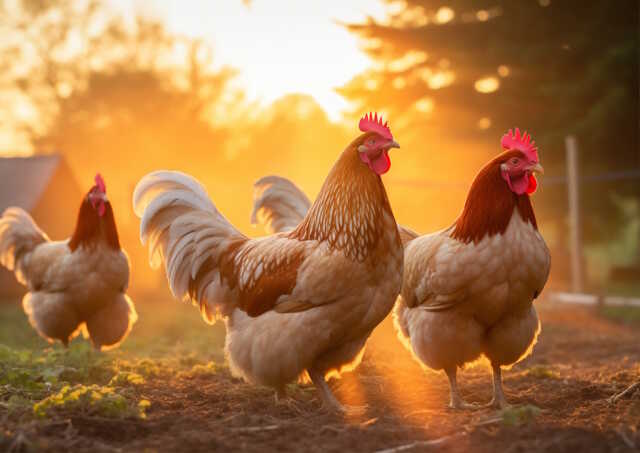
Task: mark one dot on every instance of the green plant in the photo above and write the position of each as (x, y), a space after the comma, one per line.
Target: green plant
(92, 399)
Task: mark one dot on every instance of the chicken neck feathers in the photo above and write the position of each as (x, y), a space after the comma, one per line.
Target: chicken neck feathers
(490, 204)
(92, 229)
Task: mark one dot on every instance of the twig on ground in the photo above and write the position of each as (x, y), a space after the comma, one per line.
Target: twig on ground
(231, 417)
(418, 412)
(614, 399)
(489, 421)
(423, 443)
(18, 443)
(332, 428)
(253, 429)
(441, 440)
(625, 438)
(369, 422)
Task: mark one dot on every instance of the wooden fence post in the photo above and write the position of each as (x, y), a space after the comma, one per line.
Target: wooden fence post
(575, 240)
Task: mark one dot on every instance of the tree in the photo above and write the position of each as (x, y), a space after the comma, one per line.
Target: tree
(473, 69)
(116, 97)
(131, 98)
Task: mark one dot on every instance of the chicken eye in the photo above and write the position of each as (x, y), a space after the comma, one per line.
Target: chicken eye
(515, 161)
(372, 141)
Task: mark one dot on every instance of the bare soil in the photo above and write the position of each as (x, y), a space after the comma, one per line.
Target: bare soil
(580, 361)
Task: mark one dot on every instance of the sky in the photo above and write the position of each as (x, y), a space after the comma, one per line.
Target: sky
(279, 47)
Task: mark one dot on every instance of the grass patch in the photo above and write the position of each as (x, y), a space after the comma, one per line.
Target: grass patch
(199, 371)
(519, 415)
(39, 380)
(126, 379)
(627, 315)
(541, 372)
(92, 400)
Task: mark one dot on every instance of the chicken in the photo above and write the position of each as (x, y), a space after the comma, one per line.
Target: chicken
(77, 284)
(296, 305)
(468, 290)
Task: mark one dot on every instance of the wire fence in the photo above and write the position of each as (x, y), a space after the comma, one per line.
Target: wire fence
(547, 181)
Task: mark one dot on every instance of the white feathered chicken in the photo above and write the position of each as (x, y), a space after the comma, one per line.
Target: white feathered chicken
(302, 302)
(75, 284)
(467, 290)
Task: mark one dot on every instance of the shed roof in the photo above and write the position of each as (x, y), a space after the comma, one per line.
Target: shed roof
(24, 179)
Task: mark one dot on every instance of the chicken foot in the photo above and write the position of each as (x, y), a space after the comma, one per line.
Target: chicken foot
(284, 400)
(329, 401)
(456, 401)
(498, 401)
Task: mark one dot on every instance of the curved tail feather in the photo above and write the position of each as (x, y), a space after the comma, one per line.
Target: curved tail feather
(19, 235)
(278, 204)
(185, 231)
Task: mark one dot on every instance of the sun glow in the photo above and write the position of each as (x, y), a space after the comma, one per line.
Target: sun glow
(487, 85)
(279, 47)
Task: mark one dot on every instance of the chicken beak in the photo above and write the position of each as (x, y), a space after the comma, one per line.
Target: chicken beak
(536, 168)
(393, 144)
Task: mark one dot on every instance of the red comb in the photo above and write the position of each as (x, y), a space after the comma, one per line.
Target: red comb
(371, 123)
(521, 142)
(100, 183)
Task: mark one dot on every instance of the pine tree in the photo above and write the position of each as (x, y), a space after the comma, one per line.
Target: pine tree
(554, 67)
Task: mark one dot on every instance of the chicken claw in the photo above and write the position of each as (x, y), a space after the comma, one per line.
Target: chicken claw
(498, 401)
(456, 401)
(329, 401)
(283, 400)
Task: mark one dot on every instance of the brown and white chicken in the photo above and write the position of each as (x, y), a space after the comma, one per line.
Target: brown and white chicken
(467, 290)
(76, 284)
(297, 303)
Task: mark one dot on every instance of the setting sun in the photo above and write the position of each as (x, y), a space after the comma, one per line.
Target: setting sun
(279, 47)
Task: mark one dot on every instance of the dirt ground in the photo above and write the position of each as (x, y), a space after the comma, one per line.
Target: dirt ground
(580, 361)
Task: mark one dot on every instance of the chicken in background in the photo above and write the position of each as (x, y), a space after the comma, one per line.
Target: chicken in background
(467, 290)
(76, 284)
(297, 304)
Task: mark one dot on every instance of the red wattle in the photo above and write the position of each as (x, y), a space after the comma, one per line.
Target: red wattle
(533, 184)
(381, 164)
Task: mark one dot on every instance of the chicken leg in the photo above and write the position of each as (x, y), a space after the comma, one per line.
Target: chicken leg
(456, 401)
(498, 401)
(329, 401)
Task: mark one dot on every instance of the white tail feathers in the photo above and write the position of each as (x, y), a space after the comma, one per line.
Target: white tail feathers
(185, 230)
(19, 235)
(278, 204)
(406, 234)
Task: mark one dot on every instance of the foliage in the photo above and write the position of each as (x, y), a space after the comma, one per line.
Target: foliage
(92, 399)
(519, 415)
(627, 315)
(620, 249)
(541, 372)
(199, 371)
(58, 47)
(552, 67)
(50, 381)
(126, 378)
